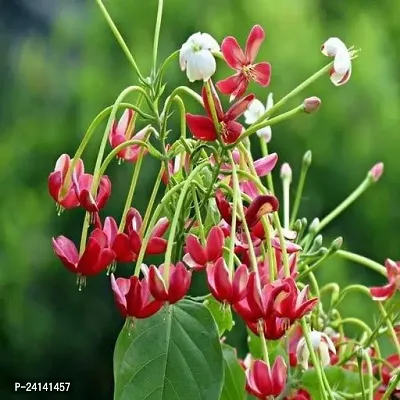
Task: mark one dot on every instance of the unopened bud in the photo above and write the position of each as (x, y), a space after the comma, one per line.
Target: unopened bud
(297, 226)
(317, 242)
(311, 104)
(286, 172)
(304, 222)
(314, 225)
(376, 172)
(336, 244)
(307, 158)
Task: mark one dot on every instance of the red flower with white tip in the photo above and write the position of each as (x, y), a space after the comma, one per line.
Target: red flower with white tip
(66, 198)
(243, 64)
(294, 305)
(133, 297)
(96, 257)
(197, 256)
(83, 187)
(121, 132)
(179, 282)
(382, 293)
(224, 287)
(263, 381)
(203, 128)
(341, 70)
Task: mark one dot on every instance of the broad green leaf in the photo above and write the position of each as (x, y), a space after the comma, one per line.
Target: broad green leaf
(235, 379)
(340, 380)
(174, 355)
(222, 315)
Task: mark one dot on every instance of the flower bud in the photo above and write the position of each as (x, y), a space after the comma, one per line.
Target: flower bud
(298, 226)
(311, 104)
(307, 158)
(336, 244)
(314, 225)
(376, 172)
(286, 172)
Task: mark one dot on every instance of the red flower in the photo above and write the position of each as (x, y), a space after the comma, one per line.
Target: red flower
(387, 374)
(393, 274)
(96, 257)
(273, 327)
(263, 381)
(243, 63)
(224, 287)
(197, 256)
(300, 394)
(121, 132)
(295, 304)
(133, 297)
(203, 128)
(83, 191)
(56, 182)
(179, 282)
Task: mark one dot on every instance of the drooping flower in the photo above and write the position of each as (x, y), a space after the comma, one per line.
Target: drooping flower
(196, 56)
(89, 202)
(255, 111)
(341, 70)
(133, 297)
(203, 128)
(121, 132)
(179, 282)
(66, 198)
(243, 64)
(321, 343)
(389, 371)
(197, 256)
(382, 293)
(96, 257)
(224, 287)
(265, 382)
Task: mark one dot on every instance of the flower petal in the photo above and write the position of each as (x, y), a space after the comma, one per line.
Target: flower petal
(201, 127)
(215, 243)
(254, 111)
(382, 293)
(262, 73)
(238, 108)
(216, 100)
(265, 165)
(230, 84)
(232, 52)
(256, 37)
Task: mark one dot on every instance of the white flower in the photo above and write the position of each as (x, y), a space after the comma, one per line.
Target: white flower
(255, 111)
(321, 343)
(196, 56)
(341, 70)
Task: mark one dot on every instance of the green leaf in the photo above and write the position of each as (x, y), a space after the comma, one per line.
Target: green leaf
(235, 379)
(174, 355)
(340, 380)
(222, 315)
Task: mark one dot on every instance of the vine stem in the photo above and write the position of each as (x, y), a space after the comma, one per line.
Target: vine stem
(362, 260)
(390, 327)
(157, 33)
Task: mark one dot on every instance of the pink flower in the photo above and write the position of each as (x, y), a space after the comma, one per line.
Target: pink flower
(265, 382)
(83, 187)
(56, 181)
(381, 293)
(179, 282)
(243, 64)
(203, 128)
(121, 132)
(224, 287)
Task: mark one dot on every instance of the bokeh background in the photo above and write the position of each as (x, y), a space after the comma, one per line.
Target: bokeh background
(60, 65)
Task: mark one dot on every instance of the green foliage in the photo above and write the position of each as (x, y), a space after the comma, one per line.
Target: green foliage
(176, 354)
(235, 379)
(222, 315)
(255, 347)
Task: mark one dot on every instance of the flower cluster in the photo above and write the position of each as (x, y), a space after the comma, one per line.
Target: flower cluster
(220, 217)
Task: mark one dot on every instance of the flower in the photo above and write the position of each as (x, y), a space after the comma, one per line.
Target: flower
(96, 257)
(83, 187)
(381, 293)
(311, 104)
(263, 381)
(203, 128)
(197, 256)
(66, 198)
(179, 282)
(196, 56)
(341, 70)
(133, 297)
(243, 64)
(255, 111)
(121, 132)
(376, 171)
(225, 287)
(320, 343)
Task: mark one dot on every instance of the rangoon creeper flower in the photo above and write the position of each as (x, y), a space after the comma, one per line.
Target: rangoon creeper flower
(321, 343)
(382, 293)
(243, 64)
(341, 70)
(255, 110)
(196, 57)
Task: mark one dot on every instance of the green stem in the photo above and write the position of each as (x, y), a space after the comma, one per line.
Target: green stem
(212, 108)
(391, 388)
(362, 260)
(264, 151)
(236, 194)
(370, 376)
(119, 38)
(166, 62)
(286, 202)
(263, 344)
(390, 327)
(313, 267)
(365, 184)
(157, 33)
(198, 216)
(285, 258)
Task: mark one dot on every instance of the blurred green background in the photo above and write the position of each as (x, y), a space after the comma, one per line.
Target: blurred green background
(60, 65)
